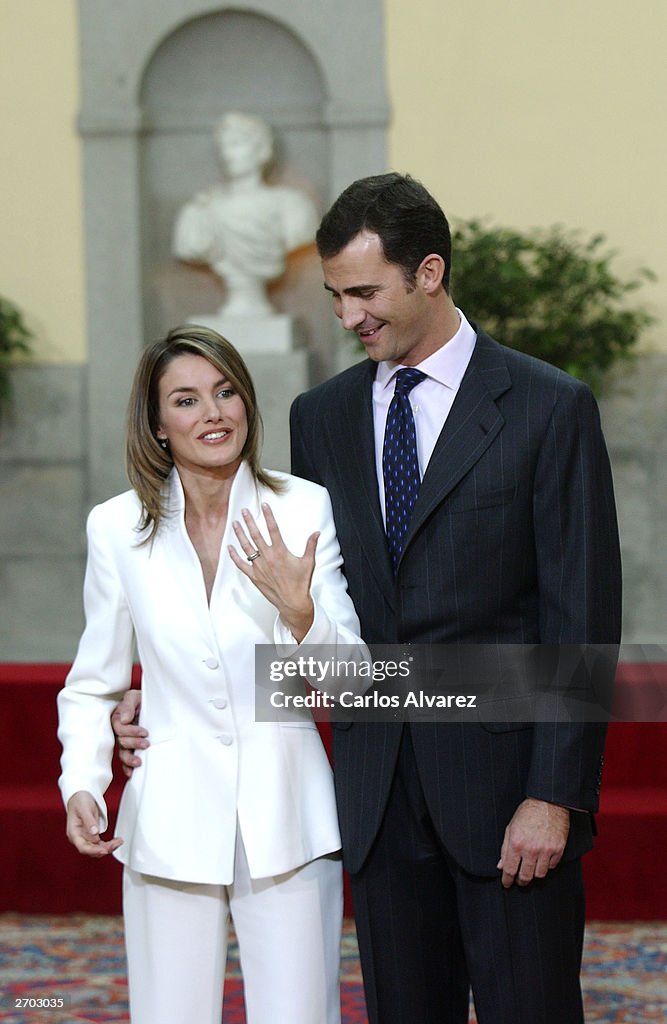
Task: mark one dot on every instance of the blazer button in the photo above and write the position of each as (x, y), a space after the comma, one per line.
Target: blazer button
(210, 662)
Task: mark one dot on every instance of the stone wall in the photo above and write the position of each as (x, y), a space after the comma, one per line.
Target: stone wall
(42, 522)
(634, 416)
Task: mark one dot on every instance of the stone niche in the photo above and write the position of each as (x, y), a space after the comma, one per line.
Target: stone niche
(198, 73)
(222, 62)
(156, 77)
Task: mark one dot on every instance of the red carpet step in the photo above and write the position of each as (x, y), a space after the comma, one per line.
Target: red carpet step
(42, 873)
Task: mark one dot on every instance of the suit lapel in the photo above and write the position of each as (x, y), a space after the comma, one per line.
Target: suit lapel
(176, 549)
(472, 425)
(353, 449)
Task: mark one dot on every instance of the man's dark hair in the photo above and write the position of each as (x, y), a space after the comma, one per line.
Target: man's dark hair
(404, 215)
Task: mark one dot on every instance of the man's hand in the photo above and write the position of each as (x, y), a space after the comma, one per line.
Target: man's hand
(131, 737)
(83, 829)
(534, 841)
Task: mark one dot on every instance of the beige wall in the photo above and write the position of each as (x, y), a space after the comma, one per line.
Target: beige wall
(534, 112)
(41, 253)
(529, 112)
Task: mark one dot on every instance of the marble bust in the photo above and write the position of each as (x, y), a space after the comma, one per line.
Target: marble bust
(244, 228)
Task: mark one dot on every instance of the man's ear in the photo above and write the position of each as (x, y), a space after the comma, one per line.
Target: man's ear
(430, 273)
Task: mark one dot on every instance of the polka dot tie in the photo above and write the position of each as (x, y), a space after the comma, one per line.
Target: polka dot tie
(400, 465)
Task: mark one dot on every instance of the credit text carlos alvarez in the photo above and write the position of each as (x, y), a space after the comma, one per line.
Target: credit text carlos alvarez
(325, 672)
(373, 699)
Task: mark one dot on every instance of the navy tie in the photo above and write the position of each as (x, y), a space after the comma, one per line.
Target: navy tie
(400, 465)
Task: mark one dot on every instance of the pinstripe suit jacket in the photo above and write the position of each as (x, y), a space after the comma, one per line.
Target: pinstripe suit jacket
(513, 540)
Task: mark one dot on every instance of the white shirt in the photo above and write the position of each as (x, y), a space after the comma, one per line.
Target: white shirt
(431, 399)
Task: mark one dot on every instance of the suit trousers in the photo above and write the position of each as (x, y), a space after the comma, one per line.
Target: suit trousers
(428, 930)
(288, 930)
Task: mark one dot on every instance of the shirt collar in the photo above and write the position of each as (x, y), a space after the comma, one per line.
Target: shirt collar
(446, 365)
(244, 486)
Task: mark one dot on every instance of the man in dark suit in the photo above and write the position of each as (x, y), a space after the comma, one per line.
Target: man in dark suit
(463, 840)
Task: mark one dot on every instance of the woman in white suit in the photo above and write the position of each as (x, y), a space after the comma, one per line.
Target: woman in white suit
(207, 556)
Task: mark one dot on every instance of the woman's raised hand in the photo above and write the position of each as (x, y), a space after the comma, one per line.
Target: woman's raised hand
(283, 578)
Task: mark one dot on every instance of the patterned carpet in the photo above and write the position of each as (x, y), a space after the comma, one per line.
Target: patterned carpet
(80, 961)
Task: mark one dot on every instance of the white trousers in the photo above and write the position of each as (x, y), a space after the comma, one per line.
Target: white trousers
(288, 930)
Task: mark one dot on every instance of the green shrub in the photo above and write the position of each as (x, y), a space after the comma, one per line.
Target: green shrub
(549, 293)
(14, 338)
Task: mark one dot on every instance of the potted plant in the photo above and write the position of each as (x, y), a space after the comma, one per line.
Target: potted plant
(14, 339)
(549, 293)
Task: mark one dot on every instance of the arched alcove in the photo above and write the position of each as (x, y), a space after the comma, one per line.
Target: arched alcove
(154, 78)
(220, 62)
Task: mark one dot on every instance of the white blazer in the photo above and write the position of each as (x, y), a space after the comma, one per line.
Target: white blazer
(209, 763)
